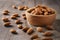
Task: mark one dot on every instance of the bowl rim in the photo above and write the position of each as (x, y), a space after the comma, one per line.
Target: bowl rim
(38, 15)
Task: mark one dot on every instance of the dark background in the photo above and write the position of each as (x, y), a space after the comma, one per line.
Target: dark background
(6, 4)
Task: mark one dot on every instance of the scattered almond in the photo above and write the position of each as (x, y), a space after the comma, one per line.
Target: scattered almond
(47, 33)
(7, 24)
(25, 29)
(19, 26)
(39, 29)
(13, 17)
(17, 21)
(13, 6)
(34, 36)
(16, 14)
(12, 31)
(25, 7)
(30, 30)
(20, 7)
(47, 38)
(5, 19)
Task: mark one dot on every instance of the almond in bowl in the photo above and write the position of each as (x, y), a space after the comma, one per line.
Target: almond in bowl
(40, 15)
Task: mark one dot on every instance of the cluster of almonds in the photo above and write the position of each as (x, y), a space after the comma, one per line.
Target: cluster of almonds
(14, 16)
(20, 7)
(41, 10)
(27, 29)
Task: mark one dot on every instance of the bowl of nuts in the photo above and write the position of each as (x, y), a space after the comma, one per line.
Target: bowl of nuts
(41, 15)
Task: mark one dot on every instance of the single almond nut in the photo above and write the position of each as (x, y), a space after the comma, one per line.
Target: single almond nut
(12, 31)
(25, 7)
(19, 26)
(17, 21)
(30, 30)
(46, 13)
(25, 29)
(13, 6)
(47, 33)
(34, 36)
(13, 17)
(5, 19)
(7, 24)
(39, 29)
(6, 11)
(33, 12)
(20, 7)
(47, 38)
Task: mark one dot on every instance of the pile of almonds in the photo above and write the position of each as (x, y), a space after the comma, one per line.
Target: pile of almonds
(38, 10)
(41, 10)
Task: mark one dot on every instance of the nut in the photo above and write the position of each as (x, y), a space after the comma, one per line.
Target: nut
(25, 7)
(5, 19)
(12, 31)
(19, 26)
(24, 17)
(39, 29)
(7, 24)
(46, 13)
(41, 10)
(25, 29)
(47, 33)
(5, 13)
(17, 21)
(30, 30)
(34, 36)
(13, 17)
(13, 6)
(20, 7)
(47, 38)
(33, 12)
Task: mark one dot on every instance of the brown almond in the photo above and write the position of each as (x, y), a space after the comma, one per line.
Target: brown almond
(39, 29)
(13, 6)
(34, 36)
(19, 26)
(47, 38)
(6, 11)
(37, 39)
(12, 30)
(20, 7)
(7, 24)
(30, 30)
(25, 7)
(17, 21)
(16, 14)
(46, 13)
(25, 29)
(5, 19)
(47, 33)
(13, 17)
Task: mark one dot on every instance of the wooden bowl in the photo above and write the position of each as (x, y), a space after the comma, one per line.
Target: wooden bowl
(40, 20)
